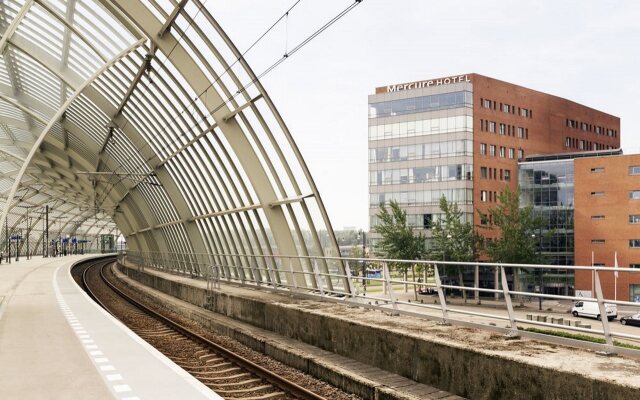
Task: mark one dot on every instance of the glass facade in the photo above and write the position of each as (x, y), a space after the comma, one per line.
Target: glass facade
(421, 148)
(420, 127)
(422, 151)
(412, 105)
(431, 173)
(548, 187)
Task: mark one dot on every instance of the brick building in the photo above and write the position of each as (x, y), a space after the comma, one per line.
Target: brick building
(607, 221)
(462, 136)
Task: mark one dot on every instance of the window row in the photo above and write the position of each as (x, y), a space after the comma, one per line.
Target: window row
(435, 102)
(492, 173)
(598, 130)
(422, 221)
(633, 170)
(433, 173)
(633, 194)
(421, 151)
(488, 196)
(462, 123)
(504, 129)
(633, 218)
(502, 151)
(507, 108)
(422, 197)
(585, 145)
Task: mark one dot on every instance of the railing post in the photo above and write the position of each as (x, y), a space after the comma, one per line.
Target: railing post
(392, 295)
(319, 280)
(293, 276)
(272, 274)
(347, 271)
(513, 332)
(443, 301)
(603, 315)
(476, 283)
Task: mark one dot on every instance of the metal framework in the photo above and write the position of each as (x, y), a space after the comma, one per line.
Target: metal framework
(135, 114)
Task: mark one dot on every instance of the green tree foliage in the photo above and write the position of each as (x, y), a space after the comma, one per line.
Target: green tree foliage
(452, 239)
(398, 239)
(516, 226)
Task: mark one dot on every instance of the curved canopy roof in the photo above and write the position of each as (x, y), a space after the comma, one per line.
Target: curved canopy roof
(142, 117)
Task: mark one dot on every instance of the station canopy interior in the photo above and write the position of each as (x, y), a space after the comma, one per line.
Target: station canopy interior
(141, 118)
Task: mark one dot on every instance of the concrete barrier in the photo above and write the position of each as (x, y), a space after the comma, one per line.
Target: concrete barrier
(463, 370)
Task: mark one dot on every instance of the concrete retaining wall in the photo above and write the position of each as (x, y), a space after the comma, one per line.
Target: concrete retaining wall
(462, 371)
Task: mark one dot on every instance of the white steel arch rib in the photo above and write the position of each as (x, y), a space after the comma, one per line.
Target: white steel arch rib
(145, 114)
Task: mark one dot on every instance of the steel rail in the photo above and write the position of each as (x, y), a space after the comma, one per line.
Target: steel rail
(280, 382)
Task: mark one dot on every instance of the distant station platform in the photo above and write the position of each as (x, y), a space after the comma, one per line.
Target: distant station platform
(56, 343)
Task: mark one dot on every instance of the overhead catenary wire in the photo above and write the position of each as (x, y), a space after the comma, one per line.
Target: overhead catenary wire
(268, 70)
(226, 70)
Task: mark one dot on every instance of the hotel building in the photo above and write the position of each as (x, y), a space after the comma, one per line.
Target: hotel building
(462, 136)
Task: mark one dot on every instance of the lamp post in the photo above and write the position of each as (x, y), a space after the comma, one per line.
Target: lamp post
(539, 247)
(363, 234)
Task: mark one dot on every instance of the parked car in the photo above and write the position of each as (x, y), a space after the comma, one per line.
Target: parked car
(631, 320)
(591, 309)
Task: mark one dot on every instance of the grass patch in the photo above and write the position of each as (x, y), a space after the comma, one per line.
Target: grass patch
(579, 336)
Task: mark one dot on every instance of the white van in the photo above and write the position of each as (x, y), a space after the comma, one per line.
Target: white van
(591, 309)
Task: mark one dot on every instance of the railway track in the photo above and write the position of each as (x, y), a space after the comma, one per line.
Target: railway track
(230, 375)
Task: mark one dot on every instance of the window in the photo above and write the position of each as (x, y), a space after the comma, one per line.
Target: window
(597, 217)
(483, 149)
(483, 172)
(503, 152)
(597, 193)
(634, 195)
(635, 170)
(426, 220)
(637, 266)
(487, 104)
(492, 126)
(512, 153)
(503, 129)
(634, 243)
(520, 133)
(506, 108)
(507, 175)
(520, 154)
(492, 150)
(483, 196)
(597, 169)
(634, 219)
(597, 241)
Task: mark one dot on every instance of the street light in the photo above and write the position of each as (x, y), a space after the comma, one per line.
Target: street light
(363, 234)
(533, 235)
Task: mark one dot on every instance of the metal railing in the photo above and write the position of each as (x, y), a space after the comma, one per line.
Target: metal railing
(318, 278)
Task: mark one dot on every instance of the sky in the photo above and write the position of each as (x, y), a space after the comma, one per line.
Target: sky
(587, 51)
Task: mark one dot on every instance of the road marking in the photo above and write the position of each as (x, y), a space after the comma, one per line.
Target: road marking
(89, 344)
(121, 388)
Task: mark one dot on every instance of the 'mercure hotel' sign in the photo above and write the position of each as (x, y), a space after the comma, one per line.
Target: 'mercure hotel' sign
(423, 84)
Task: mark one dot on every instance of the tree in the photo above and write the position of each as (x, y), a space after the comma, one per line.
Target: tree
(454, 240)
(516, 226)
(398, 239)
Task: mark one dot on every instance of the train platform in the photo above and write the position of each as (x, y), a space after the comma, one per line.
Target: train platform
(56, 343)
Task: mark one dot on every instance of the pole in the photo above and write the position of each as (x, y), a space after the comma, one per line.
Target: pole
(540, 269)
(46, 218)
(364, 264)
(28, 224)
(6, 234)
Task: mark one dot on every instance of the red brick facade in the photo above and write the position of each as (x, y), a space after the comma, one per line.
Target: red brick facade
(534, 123)
(602, 220)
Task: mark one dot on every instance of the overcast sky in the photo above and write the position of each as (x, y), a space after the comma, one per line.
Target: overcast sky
(587, 51)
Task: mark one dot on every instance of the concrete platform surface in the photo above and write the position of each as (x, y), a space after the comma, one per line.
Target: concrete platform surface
(56, 343)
